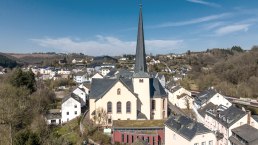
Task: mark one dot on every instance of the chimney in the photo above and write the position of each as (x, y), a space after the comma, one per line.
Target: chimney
(248, 117)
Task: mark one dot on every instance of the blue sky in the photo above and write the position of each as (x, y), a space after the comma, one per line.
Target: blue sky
(109, 27)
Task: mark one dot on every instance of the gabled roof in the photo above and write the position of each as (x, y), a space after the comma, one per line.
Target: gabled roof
(204, 96)
(87, 85)
(226, 116)
(255, 117)
(176, 88)
(202, 111)
(72, 95)
(100, 87)
(111, 73)
(171, 84)
(247, 132)
(156, 89)
(186, 127)
(124, 74)
(54, 114)
(80, 73)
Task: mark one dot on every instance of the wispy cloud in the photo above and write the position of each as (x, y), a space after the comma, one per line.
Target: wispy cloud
(202, 2)
(213, 25)
(105, 45)
(193, 21)
(232, 28)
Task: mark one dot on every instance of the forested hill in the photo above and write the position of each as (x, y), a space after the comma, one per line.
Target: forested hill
(231, 73)
(8, 61)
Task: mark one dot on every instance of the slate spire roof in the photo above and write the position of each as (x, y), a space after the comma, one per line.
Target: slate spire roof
(140, 60)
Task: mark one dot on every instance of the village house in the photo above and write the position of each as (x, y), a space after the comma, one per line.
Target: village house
(80, 92)
(104, 71)
(180, 97)
(96, 76)
(64, 72)
(181, 130)
(53, 117)
(81, 77)
(71, 107)
(222, 120)
(212, 96)
(244, 135)
(86, 87)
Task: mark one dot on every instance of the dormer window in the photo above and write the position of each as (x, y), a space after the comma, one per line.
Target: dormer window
(118, 91)
(140, 80)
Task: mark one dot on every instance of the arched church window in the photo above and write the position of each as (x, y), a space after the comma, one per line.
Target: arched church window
(118, 107)
(128, 107)
(109, 107)
(118, 91)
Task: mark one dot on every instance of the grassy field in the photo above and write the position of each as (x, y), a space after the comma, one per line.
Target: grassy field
(69, 132)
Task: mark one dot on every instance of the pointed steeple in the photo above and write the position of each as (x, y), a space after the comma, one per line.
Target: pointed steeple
(140, 58)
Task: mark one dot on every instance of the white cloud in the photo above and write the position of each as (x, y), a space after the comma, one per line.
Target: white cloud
(213, 25)
(194, 21)
(210, 4)
(232, 28)
(105, 45)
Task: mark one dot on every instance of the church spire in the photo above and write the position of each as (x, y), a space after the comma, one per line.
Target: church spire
(140, 58)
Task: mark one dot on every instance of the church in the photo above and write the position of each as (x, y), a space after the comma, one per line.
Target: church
(135, 97)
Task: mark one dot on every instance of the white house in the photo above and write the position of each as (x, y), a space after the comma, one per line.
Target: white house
(104, 71)
(180, 97)
(82, 94)
(96, 76)
(71, 107)
(86, 87)
(222, 120)
(46, 71)
(54, 117)
(212, 96)
(181, 130)
(64, 72)
(81, 77)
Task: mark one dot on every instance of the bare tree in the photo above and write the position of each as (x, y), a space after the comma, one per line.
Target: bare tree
(101, 116)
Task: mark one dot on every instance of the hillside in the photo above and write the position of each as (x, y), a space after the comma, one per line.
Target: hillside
(231, 73)
(8, 61)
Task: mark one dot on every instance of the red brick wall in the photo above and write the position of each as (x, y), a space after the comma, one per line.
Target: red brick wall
(117, 136)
